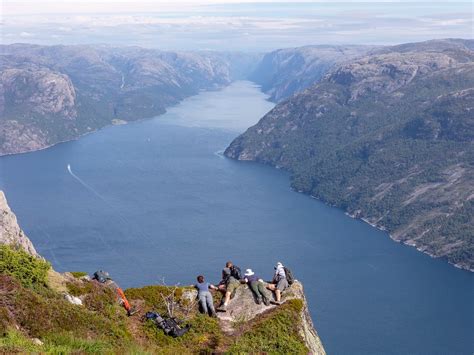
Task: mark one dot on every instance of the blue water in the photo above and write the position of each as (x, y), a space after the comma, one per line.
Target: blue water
(156, 200)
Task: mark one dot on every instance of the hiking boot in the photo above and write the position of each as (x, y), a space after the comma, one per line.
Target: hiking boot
(276, 303)
(266, 302)
(258, 300)
(222, 308)
(132, 311)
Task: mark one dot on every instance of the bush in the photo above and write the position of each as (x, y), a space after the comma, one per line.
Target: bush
(277, 333)
(78, 274)
(29, 270)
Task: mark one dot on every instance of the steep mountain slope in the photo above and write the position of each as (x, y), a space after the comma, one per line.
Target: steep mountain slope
(387, 137)
(286, 71)
(52, 94)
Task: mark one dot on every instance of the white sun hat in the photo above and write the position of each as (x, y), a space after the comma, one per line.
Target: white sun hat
(249, 272)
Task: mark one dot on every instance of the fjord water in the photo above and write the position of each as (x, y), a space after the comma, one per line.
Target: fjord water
(156, 200)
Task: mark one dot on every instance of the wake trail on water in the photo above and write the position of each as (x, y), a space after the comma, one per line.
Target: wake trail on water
(87, 186)
(122, 218)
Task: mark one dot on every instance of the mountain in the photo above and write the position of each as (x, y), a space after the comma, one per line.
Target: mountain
(50, 94)
(37, 315)
(387, 137)
(284, 72)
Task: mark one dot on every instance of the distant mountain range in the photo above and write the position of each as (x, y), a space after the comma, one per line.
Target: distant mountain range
(284, 72)
(50, 94)
(388, 137)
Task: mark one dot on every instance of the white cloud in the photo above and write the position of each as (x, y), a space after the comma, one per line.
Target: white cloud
(18, 7)
(26, 34)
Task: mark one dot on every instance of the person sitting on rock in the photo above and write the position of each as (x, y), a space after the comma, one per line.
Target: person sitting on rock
(257, 286)
(205, 297)
(230, 281)
(279, 283)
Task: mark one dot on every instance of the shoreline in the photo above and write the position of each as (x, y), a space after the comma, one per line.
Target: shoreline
(117, 122)
(384, 229)
(406, 243)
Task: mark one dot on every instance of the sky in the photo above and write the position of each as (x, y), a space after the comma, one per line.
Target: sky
(241, 25)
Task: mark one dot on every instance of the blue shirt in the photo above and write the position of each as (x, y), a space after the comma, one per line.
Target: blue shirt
(203, 286)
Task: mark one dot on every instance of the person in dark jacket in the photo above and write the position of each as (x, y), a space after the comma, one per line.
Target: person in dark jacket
(228, 285)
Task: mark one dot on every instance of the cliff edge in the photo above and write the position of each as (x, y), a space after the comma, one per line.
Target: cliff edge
(244, 310)
(42, 311)
(10, 231)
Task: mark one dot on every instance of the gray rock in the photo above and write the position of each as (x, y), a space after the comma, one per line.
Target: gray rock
(10, 231)
(243, 308)
(36, 341)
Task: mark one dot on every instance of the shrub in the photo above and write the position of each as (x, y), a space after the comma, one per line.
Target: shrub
(29, 270)
(43, 312)
(278, 332)
(78, 274)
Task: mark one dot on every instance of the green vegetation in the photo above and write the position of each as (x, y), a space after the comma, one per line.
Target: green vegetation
(30, 271)
(277, 333)
(30, 308)
(14, 341)
(78, 274)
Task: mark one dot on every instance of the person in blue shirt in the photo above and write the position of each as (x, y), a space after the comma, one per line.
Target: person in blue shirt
(205, 297)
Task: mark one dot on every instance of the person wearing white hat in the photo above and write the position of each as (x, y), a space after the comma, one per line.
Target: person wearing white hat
(257, 287)
(279, 283)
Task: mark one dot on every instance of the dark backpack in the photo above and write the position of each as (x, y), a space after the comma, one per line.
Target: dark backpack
(170, 326)
(101, 276)
(236, 273)
(289, 275)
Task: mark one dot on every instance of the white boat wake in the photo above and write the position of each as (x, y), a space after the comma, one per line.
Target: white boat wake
(126, 223)
(87, 186)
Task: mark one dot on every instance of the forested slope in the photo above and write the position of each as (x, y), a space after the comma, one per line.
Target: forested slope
(387, 137)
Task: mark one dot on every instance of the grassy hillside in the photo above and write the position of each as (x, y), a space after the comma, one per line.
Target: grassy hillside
(35, 308)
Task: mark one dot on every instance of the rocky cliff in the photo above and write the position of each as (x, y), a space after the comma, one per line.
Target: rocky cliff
(243, 310)
(10, 232)
(389, 138)
(50, 94)
(37, 314)
(285, 72)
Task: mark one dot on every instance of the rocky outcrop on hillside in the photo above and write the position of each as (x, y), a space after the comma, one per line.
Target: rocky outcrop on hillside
(50, 94)
(243, 309)
(10, 231)
(388, 138)
(284, 72)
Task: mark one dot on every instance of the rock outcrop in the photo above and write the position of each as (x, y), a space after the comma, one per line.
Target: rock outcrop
(244, 309)
(10, 231)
